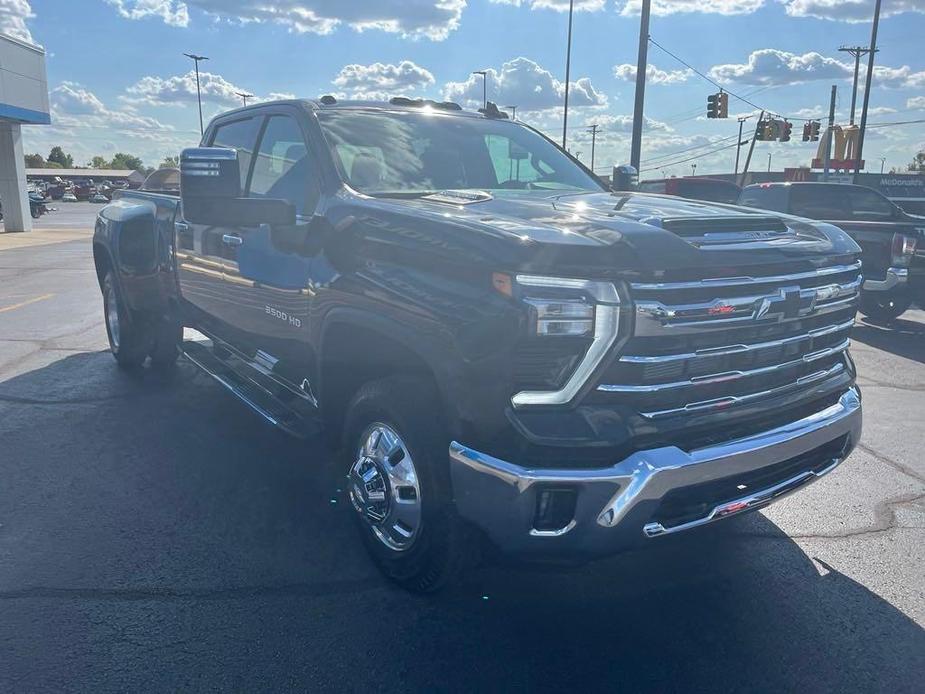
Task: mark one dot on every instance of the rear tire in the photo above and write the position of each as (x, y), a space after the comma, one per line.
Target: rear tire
(884, 306)
(399, 489)
(128, 338)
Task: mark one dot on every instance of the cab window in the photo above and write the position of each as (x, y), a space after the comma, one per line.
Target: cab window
(240, 135)
(282, 167)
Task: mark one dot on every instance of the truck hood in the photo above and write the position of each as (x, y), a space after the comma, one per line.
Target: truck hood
(617, 231)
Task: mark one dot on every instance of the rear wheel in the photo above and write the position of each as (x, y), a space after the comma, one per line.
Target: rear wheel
(398, 483)
(127, 336)
(884, 305)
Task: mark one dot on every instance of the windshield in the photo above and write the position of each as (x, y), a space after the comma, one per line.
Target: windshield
(399, 153)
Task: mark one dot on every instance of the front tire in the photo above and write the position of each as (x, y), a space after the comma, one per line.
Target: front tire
(396, 460)
(884, 306)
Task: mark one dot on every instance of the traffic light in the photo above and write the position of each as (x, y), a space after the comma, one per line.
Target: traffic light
(723, 105)
(713, 106)
(807, 131)
(785, 131)
(764, 131)
(814, 131)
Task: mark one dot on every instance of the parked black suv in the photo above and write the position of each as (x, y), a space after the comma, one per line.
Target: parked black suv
(504, 349)
(893, 241)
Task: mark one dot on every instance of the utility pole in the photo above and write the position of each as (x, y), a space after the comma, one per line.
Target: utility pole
(245, 96)
(769, 162)
(870, 76)
(857, 52)
(593, 130)
(882, 164)
(830, 134)
(739, 143)
(196, 58)
(641, 65)
(513, 112)
(484, 74)
(568, 68)
(751, 148)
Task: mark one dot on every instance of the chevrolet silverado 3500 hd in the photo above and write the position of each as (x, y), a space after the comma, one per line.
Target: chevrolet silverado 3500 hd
(498, 341)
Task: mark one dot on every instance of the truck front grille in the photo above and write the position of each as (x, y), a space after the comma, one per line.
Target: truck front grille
(717, 343)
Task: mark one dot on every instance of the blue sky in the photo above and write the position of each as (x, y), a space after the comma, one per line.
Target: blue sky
(119, 81)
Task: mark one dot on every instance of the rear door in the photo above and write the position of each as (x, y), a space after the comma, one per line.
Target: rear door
(201, 249)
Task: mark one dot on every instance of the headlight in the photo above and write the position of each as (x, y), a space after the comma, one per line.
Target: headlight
(564, 307)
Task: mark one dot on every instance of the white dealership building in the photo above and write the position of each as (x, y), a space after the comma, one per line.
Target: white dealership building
(23, 101)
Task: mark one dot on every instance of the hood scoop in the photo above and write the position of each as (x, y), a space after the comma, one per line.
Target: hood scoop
(458, 197)
(716, 230)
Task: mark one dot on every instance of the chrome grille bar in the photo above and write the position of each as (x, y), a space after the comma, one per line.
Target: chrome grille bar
(725, 402)
(745, 280)
(736, 349)
(725, 376)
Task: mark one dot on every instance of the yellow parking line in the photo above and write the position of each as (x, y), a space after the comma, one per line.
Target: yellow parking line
(25, 303)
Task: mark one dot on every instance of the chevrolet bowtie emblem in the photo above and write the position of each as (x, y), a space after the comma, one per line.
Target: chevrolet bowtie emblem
(786, 303)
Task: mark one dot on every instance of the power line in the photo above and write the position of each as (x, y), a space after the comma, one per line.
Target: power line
(690, 149)
(684, 161)
(721, 87)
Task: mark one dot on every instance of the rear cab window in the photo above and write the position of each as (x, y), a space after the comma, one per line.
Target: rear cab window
(765, 198)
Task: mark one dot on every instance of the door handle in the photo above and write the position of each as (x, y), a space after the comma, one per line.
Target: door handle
(232, 240)
(181, 227)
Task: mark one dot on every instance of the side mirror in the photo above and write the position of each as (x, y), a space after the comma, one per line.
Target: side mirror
(624, 178)
(210, 190)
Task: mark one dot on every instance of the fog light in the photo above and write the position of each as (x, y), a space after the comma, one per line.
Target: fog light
(555, 509)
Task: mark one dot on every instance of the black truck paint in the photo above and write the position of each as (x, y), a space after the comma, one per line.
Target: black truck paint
(712, 376)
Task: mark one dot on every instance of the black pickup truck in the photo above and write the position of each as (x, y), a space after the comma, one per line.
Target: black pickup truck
(892, 240)
(505, 350)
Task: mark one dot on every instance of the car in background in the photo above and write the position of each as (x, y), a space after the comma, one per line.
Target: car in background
(68, 197)
(892, 240)
(98, 197)
(708, 189)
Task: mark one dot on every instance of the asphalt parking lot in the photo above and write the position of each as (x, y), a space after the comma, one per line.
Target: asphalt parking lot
(156, 536)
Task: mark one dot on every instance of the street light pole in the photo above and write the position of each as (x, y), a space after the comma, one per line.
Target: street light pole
(484, 74)
(882, 164)
(196, 58)
(245, 96)
(513, 112)
(693, 169)
(641, 65)
(769, 162)
(568, 67)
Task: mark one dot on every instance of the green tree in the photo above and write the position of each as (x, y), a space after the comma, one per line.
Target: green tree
(918, 163)
(170, 163)
(121, 160)
(99, 162)
(53, 165)
(60, 157)
(35, 161)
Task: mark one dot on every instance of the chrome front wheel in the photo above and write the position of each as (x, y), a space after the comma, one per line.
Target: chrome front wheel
(112, 315)
(384, 488)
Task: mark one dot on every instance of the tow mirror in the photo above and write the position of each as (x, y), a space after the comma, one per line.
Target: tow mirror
(624, 178)
(210, 189)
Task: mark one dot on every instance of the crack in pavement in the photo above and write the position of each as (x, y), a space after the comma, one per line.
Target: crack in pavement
(321, 589)
(886, 460)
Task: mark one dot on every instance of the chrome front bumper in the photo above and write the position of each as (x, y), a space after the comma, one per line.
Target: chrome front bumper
(895, 277)
(615, 506)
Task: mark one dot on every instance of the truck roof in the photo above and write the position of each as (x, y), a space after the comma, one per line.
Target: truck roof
(330, 103)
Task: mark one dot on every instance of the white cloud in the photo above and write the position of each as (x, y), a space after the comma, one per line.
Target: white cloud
(557, 5)
(181, 89)
(382, 80)
(13, 17)
(916, 103)
(525, 84)
(75, 106)
(432, 19)
(654, 75)
(769, 66)
(613, 123)
(849, 10)
(172, 12)
(667, 7)
(896, 77)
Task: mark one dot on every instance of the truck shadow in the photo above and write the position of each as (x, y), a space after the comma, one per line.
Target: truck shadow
(902, 337)
(144, 517)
